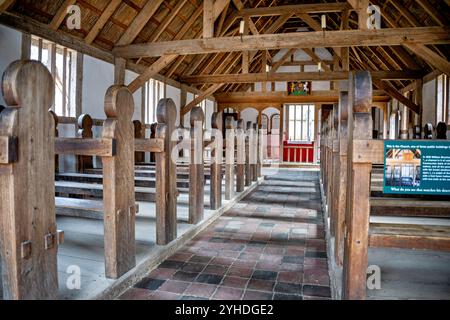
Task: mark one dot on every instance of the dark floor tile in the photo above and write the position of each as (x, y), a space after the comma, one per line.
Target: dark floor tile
(192, 298)
(193, 267)
(264, 275)
(171, 264)
(185, 276)
(257, 295)
(200, 259)
(174, 286)
(290, 288)
(209, 278)
(267, 224)
(283, 296)
(316, 254)
(318, 291)
(292, 259)
(261, 285)
(219, 240)
(149, 283)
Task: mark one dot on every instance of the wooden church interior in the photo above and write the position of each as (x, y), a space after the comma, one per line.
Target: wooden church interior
(135, 71)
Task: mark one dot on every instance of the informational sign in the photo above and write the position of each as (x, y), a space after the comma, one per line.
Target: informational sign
(417, 167)
(299, 88)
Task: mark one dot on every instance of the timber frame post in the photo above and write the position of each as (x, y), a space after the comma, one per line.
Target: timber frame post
(28, 236)
(261, 147)
(216, 161)
(341, 182)
(118, 183)
(248, 151)
(334, 170)
(254, 152)
(55, 119)
(166, 175)
(240, 155)
(358, 181)
(84, 123)
(229, 157)
(196, 167)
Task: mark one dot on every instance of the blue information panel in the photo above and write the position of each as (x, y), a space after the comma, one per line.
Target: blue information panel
(417, 167)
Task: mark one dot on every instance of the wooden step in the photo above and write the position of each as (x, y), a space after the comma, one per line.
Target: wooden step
(98, 178)
(410, 233)
(96, 190)
(82, 208)
(412, 207)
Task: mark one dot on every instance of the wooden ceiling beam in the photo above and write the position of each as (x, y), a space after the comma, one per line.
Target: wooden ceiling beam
(432, 12)
(200, 98)
(282, 60)
(102, 20)
(5, 5)
(156, 67)
(61, 14)
(292, 76)
(293, 9)
(316, 59)
(139, 22)
(167, 20)
(431, 57)
(341, 38)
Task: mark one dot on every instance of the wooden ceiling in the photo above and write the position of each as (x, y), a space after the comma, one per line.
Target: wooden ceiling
(106, 24)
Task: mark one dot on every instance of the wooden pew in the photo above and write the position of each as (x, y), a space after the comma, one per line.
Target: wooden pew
(29, 238)
(364, 231)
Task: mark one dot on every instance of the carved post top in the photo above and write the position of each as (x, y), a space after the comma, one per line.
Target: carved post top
(17, 95)
(138, 129)
(361, 91)
(166, 112)
(119, 103)
(197, 115)
(240, 124)
(229, 123)
(217, 120)
(335, 116)
(343, 106)
(85, 122)
(55, 117)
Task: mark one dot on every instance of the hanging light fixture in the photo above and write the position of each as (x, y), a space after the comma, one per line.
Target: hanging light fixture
(241, 28)
(323, 20)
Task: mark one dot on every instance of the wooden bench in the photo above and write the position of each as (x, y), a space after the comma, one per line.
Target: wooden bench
(410, 233)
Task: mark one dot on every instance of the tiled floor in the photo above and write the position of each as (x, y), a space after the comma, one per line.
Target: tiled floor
(269, 246)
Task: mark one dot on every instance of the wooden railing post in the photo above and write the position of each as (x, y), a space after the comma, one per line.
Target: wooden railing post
(358, 206)
(85, 132)
(240, 155)
(55, 120)
(153, 135)
(229, 157)
(334, 167)
(196, 167)
(254, 159)
(216, 161)
(28, 235)
(341, 183)
(248, 151)
(166, 174)
(260, 151)
(139, 157)
(118, 183)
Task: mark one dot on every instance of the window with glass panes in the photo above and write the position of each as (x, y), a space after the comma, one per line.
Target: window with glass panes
(301, 122)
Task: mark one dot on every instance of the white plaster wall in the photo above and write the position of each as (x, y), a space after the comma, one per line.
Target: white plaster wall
(11, 43)
(174, 94)
(429, 103)
(249, 114)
